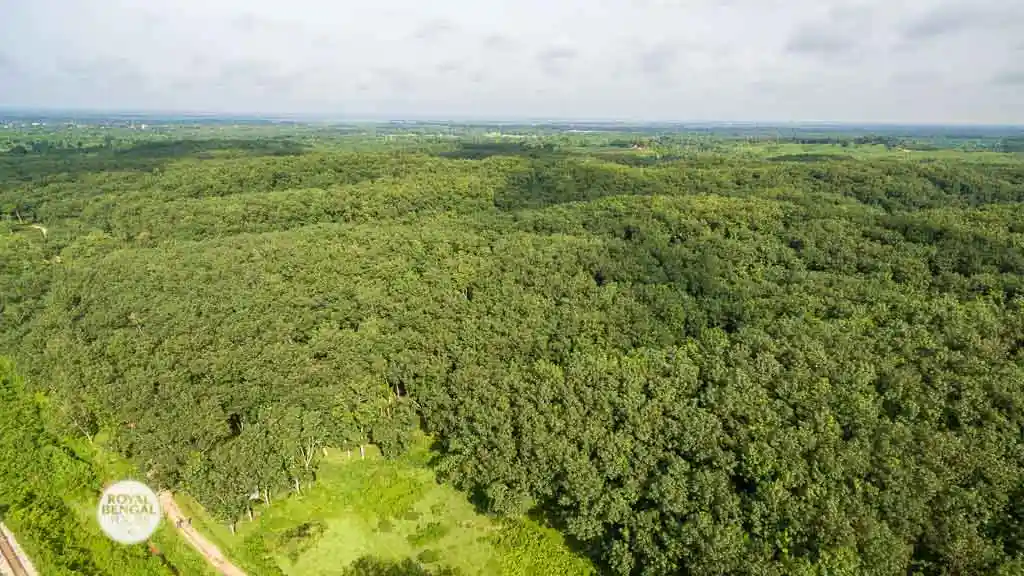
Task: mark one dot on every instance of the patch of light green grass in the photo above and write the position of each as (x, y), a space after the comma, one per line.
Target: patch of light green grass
(246, 548)
(391, 510)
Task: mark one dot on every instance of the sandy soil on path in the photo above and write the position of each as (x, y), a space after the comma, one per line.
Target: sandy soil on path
(194, 538)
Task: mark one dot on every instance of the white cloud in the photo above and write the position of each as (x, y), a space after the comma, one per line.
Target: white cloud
(853, 60)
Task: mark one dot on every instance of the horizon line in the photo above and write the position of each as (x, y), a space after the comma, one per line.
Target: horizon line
(377, 118)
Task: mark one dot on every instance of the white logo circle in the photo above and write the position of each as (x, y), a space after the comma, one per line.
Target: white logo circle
(129, 512)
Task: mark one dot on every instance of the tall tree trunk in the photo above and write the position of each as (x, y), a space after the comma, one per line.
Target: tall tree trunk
(362, 451)
(250, 513)
(232, 526)
(82, 430)
(298, 490)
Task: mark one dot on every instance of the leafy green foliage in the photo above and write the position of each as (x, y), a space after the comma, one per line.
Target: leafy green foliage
(529, 552)
(430, 533)
(295, 541)
(370, 566)
(42, 482)
(774, 360)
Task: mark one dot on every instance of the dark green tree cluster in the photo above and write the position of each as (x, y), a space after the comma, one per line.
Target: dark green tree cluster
(714, 364)
(39, 479)
(370, 566)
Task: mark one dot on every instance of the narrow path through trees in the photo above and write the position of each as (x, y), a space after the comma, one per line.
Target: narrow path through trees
(195, 539)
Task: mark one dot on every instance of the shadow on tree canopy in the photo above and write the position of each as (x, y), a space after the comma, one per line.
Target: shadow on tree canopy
(627, 158)
(20, 165)
(199, 148)
(481, 150)
(810, 158)
(552, 181)
(372, 566)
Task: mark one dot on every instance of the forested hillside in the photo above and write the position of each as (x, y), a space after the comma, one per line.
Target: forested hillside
(47, 496)
(689, 363)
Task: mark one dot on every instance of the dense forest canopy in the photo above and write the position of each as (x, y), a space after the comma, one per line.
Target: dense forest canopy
(739, 357)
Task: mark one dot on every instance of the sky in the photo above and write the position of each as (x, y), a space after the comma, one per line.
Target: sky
(901, 61)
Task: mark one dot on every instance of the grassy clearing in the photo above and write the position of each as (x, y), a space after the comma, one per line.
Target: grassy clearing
(391, 511)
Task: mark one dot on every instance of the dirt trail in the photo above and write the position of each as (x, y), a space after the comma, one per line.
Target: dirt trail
(12, 558)
(195, 539)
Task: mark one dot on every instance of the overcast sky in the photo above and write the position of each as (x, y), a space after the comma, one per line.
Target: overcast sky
(762, 60)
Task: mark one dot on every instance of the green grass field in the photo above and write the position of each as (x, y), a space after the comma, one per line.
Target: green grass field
(389, 510)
